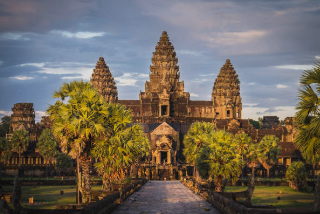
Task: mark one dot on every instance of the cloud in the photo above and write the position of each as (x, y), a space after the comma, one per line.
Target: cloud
(39, 65)
(232, 38)
(194, 95)
(1, 62)
(189, 52)
(317, 57)
(70, 70)
(281, 86)
(269, 110)
(251, 83)
(16, 36)
(39, 114)
(22, 78)
(5, 113)
(295, 67)
(250, 104)
(206, 75)
(126, 80)
(79, 35)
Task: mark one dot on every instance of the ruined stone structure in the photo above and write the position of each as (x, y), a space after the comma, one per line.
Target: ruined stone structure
(103, 81)
(23, 119)
(166, 112)
(226, 93)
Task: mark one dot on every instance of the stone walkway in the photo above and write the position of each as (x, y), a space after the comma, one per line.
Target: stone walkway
(159, 197)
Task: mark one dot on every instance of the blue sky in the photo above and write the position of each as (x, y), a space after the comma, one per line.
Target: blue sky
(269, 42)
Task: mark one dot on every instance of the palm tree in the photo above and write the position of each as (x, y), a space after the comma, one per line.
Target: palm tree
(47, 146)
(268, 151)
(194, 141)
(308, 116)
(78, 117)
(244, 143)
(220, 159)
(122, 146)
(20, 141)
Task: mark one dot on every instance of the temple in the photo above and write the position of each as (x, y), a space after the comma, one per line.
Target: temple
(166, 113)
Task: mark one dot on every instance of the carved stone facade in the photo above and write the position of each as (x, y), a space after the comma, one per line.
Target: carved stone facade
(226, 93)
(165, 100)
(23, 118)
(103, 81)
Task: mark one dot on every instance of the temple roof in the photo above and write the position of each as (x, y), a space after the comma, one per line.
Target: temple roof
(227, 83)
(103, 81)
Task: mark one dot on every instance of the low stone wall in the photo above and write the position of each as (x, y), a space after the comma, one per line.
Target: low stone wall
(105, 205)
(47, 182)
(229, 206)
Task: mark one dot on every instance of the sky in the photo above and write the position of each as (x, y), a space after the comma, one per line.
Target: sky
(269, 42)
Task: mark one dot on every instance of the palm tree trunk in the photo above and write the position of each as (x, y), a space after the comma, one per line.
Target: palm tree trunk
(79, 182)
(218, 183)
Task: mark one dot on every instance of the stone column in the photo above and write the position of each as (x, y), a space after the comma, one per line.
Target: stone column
(169, 157)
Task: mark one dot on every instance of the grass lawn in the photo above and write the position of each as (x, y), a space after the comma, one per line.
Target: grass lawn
(47, 197)
(268, 195)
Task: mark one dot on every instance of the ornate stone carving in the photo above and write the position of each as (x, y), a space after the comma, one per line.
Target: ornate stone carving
(103, 81)
(226, 93)
(22, 117)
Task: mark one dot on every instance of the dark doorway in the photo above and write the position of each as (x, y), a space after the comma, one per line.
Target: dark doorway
(163, 157)
(164, 110)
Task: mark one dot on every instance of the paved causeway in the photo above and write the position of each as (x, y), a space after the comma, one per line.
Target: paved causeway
(159, 197)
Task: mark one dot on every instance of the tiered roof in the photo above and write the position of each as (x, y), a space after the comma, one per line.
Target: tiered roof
(227, 83)
(164, 68)
(103, 81)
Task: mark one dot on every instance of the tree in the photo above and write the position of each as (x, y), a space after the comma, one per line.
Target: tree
(117, 154)
(5, 125)
(268, 151)
(47, 146)
(297, 175)
(244, 143)
(64, 163)
(308, 116)
(194, 140)
(20, 141)
(5, 149)
(78, 117)
(254, 123)
(219, 158)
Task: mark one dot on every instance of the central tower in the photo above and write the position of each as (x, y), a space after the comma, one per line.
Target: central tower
(164, 95)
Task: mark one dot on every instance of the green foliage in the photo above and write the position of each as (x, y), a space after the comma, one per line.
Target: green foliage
(194, 140)
(5, 149)
(47, 145)
(120, 151)
(219, 156)
(308, 115)
(256, 124)
(5, 125)
(64, 163)
(20, 141)
(244, 143)
(269, 149)
(78, 122)
(297, 175)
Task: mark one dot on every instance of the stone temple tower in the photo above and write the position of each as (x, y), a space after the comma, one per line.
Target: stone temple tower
(164, 94)
(226, 93)
(103, 81)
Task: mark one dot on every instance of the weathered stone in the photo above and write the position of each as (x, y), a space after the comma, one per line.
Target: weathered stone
(226, 93)
(103, 81)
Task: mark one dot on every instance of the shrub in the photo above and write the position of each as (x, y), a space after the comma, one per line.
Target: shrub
(296, 175)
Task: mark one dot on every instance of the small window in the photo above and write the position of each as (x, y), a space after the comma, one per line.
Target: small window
(164, 110)
(228, 113)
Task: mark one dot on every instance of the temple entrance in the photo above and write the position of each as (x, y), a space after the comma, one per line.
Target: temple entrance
(164, 157)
